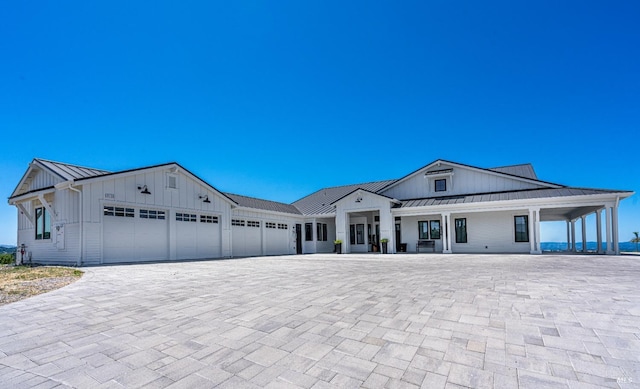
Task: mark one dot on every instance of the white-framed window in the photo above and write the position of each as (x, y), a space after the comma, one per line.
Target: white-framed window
(152, 214)
(282, 226)
(186, 217)
(208, 219)
(119, 211)
(521, 228)
(237, 222)
(43, 224)
(253, 223)
(270, 225)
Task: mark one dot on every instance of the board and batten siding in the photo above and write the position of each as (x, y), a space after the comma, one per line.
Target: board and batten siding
(122, 191)
(463, 181)
(489, 232)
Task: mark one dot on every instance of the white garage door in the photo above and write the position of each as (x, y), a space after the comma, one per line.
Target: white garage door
(134, 235)
(197, 236)
(247, 238)
(277, 238)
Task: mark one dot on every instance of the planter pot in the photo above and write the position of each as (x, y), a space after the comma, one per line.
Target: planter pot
(338, 248)
(384, 247)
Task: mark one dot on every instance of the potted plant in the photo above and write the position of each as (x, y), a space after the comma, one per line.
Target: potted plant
(337, 244)
(384, 242)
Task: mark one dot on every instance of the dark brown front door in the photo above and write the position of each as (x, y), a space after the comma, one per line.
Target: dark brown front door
(298, 238)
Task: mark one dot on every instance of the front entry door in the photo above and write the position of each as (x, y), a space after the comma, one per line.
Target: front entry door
(398, 237)
(298, 238)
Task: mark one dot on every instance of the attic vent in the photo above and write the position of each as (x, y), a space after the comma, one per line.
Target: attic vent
(172, 181)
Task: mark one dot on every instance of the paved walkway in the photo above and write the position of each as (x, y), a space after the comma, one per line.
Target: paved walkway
(330, 321)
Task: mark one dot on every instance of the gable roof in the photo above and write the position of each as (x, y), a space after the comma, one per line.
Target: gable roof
(70, 172)
(506, 171)
(266, 205)
(320, 202)
(524, 170)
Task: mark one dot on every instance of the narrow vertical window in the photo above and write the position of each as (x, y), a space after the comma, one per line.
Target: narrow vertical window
(308, 231)
(324, 232)
(435, 229)
(521, 228)
(423, 230)
(352, 234)
(461, 230)
(359, 233)
(319, 232)
(43, 224)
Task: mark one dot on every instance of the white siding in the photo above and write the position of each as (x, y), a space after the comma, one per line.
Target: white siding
(409, 232)
(43, 179)
(489, 232)
(463, 181)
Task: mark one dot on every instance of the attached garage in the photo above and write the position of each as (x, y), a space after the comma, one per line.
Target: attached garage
(198, 236)
(134, 235)
(277, 238)
(247, 237)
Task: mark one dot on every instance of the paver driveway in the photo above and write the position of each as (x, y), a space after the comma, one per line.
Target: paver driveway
(320, 321)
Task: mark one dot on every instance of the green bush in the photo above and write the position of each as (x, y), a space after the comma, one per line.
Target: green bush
(7, 259)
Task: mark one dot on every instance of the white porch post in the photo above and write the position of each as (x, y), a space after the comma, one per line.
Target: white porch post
(446, 219)
(534, 228)
(607, 211)
(614, 228)
(568, 235)
(532, 235)
(599, 231)
(584, 233)
(573, 235)
(538, 247)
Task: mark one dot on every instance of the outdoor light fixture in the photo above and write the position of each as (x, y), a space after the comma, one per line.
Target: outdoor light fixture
(143, 189)
(359, 200)
(205, 197)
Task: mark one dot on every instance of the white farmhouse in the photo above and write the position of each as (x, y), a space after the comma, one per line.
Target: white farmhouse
(70, 214)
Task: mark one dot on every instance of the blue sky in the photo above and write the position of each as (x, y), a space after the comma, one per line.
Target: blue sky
(278, 99)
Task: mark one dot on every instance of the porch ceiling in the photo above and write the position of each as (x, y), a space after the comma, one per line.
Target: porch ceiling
(568, 213)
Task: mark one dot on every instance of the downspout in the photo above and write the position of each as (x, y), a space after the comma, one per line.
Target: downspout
(70, 187)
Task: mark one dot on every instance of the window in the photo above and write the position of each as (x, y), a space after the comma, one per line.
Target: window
(283, 226)
(251, 223)
(308, 231)
(423, 230)
(352, 234)
(435, 229)
(441, 185)
(359, 233)
(119, 211)
(186, 217)
(521, 228)
(208, 219)
(270, 225)
(429, 229)
(321, 231)
(461, 230)
(43, 224)
(151, 214)
(237, 222)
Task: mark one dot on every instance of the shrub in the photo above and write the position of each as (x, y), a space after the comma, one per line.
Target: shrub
(7, 259)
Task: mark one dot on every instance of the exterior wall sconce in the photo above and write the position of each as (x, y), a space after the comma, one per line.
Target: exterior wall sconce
(205, 197)
(359, 199)
(143, 189)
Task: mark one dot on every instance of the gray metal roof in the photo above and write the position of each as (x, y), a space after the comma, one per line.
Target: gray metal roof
(502, 196)
(70, 172)
(266, 205)
(320, 202)
(524, 170)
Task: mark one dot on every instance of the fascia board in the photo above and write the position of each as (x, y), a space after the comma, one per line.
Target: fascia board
(31, 195)
(257, 210)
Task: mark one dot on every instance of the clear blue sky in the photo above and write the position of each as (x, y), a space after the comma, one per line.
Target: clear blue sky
(277, 99)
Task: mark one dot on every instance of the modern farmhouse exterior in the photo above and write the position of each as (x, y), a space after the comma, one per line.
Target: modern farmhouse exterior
(76, 215)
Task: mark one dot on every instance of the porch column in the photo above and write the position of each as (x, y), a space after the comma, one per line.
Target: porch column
(614, 229)
(599, 231)
(538, 243)
(568, 235)
(584, 234)
(573, 235)
(532, 237)
(446, 247)
(607, 212)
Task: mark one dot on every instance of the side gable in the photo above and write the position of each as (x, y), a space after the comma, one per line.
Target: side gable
(37, 177)
(460, 179)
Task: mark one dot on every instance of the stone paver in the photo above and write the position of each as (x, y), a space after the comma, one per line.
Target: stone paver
(334, 321)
